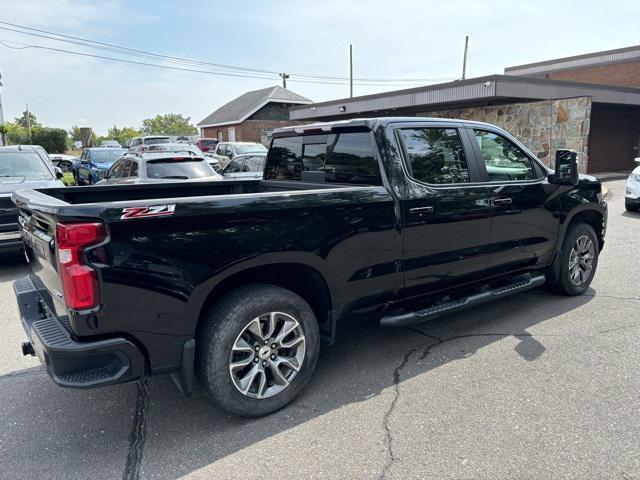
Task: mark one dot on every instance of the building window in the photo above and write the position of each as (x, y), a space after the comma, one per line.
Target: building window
(219, 135)
(231, 131)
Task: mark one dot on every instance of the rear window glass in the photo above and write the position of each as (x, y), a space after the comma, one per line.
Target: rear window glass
(334, 158)
(107, 155)
(242, 149)
(178, 169)
(155, 141)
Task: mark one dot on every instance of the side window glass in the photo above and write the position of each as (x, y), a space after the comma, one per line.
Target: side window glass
(435, 155)
(503, 159)
(124, 169)
(113, 172)
(254, 164)
(133, 172)
(234, 167)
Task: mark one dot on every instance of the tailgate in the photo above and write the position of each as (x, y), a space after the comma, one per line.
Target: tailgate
(38, 234)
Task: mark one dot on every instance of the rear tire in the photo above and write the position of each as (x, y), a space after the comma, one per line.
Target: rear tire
(235, 349)
(578, 261)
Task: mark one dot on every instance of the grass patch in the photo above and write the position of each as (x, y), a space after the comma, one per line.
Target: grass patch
(68, 179)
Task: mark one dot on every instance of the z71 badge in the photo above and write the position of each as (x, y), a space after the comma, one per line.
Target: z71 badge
(144, 212)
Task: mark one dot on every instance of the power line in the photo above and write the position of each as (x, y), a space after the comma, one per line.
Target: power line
(209, 72)
(173, 59)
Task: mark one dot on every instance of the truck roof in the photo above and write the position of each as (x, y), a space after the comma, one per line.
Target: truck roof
(368, 123)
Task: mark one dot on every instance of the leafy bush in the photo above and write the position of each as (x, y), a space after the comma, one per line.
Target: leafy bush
(54, 140)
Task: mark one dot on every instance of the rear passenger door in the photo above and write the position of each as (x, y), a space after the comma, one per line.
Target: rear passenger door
(445, 209)
(524, 228)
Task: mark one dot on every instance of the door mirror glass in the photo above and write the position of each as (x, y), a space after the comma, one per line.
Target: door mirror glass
(566, 168)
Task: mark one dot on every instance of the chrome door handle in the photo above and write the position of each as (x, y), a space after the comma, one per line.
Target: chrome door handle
(502, 201)
(421, 211)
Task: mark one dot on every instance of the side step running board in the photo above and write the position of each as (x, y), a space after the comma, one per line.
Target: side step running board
(520, 284)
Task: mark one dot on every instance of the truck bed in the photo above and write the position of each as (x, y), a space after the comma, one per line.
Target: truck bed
(155, 191)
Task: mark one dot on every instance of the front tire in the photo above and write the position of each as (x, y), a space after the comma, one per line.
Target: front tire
(631, 206)
(256, 349)
(577, 262)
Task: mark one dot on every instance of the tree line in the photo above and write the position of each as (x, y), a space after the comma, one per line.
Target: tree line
(26, 130)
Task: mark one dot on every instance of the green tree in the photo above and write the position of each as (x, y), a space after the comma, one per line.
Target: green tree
(26, 118)
(75, 134)
(169, 124)
(123, 135)
(16, 134)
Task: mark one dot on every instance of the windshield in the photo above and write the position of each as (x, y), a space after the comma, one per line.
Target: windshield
(179, 168)
(106, 156)
(23, 164)
(155, 141)
(242, 149)
(208, 142)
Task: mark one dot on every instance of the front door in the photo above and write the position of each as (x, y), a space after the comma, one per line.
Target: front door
(524, 229)
(445, 210)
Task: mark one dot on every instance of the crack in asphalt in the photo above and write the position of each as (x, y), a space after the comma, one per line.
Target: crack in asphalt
(138, 434)
(388, 440)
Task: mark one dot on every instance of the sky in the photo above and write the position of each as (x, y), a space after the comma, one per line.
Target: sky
(400, 39)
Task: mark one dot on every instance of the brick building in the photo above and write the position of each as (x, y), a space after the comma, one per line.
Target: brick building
(588, 103)
(252, 116)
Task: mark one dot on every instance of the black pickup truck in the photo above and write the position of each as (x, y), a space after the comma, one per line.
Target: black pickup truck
(235, 282)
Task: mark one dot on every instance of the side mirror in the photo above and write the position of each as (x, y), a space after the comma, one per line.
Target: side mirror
(637, 160)
(59, 173)
(566, 168)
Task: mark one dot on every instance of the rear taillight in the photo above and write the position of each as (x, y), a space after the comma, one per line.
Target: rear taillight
(79, 281)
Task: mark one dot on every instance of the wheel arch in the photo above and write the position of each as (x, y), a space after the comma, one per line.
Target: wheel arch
(301, 278)
(589, 215)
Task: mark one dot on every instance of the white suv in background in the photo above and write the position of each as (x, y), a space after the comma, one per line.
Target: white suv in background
(227, 151)
(632, 192)
(140, 144)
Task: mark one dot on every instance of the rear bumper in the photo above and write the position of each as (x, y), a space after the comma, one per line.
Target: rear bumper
(72, 363)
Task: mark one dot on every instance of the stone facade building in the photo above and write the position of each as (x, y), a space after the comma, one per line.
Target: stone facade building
(600, 122)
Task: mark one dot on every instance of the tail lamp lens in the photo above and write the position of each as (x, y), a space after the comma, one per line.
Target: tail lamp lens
(79, 281)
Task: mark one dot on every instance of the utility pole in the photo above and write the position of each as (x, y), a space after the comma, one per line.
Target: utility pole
(284, 79)
(1, 111)
(29, 122)
(350, 71)
(464, 59)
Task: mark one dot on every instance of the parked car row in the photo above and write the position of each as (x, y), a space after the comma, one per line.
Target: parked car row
(22, 166)
(98, 165)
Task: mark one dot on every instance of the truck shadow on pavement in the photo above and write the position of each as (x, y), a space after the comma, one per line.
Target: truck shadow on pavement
(150, 430)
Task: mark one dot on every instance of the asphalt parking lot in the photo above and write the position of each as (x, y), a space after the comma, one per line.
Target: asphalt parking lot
(534, 386)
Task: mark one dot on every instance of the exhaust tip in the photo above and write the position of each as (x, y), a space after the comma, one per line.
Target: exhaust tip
(27, 349)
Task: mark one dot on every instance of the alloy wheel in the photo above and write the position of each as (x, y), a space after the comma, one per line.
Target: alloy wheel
(581, 260)
(267, 355)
